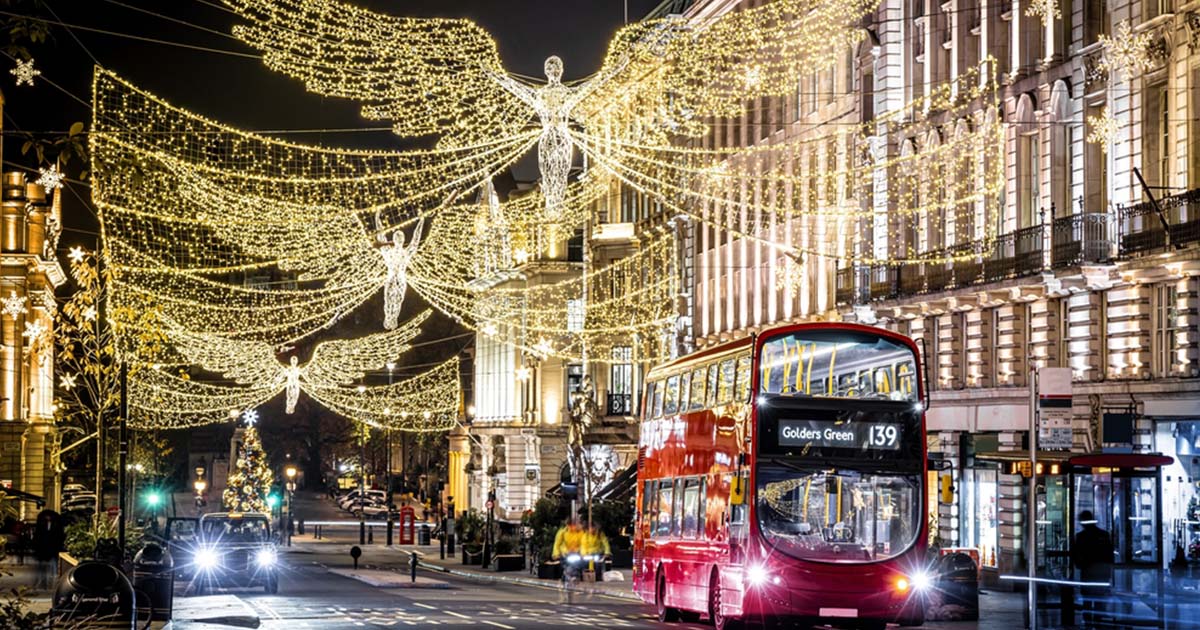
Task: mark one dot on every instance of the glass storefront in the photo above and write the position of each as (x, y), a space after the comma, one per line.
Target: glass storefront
(980, 518)
(1181, 487)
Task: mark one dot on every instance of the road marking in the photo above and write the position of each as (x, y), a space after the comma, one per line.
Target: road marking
(459, 615)
(498, 625)
(425, 606)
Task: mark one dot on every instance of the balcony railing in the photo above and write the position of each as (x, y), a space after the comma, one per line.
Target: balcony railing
(1080, 239)
(620, 405)
(1140, 227)
(884, 282)
(1015, 254)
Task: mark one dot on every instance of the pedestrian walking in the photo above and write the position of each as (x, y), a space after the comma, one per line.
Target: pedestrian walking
(1092, 555)
(47, 543)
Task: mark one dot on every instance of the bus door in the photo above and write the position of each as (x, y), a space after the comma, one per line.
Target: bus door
(738, 516)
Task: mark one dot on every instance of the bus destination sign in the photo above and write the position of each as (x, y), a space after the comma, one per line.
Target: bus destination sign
(858, 435)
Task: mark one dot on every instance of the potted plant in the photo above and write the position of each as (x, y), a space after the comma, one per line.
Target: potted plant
(544, 521)
(469, 529)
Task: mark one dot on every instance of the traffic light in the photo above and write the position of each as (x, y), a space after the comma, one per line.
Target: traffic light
(153, 499)
(272, 501)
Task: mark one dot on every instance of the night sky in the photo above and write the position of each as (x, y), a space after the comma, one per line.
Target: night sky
(242, 92)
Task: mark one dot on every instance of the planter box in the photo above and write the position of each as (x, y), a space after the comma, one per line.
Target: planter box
(508, 562)
(472, 558)
(550, 571)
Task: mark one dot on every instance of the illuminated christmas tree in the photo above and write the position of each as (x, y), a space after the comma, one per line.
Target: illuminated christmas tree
(251, 479)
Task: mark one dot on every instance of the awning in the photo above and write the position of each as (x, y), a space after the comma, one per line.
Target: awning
(1023, 456)
(621, 488)
(21, 495)
(1121, 460)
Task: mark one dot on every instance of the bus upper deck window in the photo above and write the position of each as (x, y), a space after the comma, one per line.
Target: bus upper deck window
(712, 386)
(658, 400)
(696, 398)
(728, 370)
(685, 390)
(742, 390)
(671, 396)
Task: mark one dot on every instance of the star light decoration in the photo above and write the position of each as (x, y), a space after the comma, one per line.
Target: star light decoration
(250, 417)
(1047, 10)
(51, 178)
(14, 305)
(1127, 54)
(68, 381)
(25, 72)
(1104, 130)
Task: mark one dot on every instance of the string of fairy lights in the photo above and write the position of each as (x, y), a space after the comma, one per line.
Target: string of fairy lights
(247, 244)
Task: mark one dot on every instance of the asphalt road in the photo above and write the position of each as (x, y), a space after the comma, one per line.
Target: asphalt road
(312, 597)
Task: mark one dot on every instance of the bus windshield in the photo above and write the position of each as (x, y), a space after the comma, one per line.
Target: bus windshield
(838, 364)
(833, 515)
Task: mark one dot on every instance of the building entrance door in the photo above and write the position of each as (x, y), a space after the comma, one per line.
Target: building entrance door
(1125, 504)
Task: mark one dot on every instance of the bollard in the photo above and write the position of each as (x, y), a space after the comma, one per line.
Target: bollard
(300, 526)
(371, 535)
(412, 565)
(442, 546)
(356, 553)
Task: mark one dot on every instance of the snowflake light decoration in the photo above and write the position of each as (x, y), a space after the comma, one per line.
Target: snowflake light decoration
(1045, 9)
(13, 305)
(33, 331)
(25, 72)
(89, 313)
(1104, 130)
(790, 278)
(76, 254)
(68, 381)
(51, 179)
(250, 417)
(1126, 53)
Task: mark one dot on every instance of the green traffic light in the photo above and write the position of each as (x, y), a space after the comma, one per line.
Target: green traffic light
(272, 501)
(153, 499)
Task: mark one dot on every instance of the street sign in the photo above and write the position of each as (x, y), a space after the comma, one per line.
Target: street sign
(1054, 409)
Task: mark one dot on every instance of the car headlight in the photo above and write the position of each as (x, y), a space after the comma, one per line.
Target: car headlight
(206, 559)
(756, 575)
(265, 557)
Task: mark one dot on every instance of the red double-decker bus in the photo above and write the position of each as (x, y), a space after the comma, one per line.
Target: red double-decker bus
(784, 476)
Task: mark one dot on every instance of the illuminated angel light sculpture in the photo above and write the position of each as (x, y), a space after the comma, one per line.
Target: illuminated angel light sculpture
(444, 77)
(334, 363)
(396, 256)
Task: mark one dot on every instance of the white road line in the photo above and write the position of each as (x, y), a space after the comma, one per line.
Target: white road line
(459, 615)
(498, 625)
(425, 606)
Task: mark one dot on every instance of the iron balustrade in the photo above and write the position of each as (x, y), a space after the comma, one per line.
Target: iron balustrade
(1140, 228)
(1079, 239)
(1017, 253)
(884, 282)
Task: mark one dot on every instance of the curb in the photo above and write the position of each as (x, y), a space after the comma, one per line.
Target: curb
(553, 585)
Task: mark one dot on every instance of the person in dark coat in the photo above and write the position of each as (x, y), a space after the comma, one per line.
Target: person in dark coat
(47, 543)
(1092, 553)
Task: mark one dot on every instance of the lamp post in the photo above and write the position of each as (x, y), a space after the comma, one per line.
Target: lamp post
(199, 485)
(362, 479)
(391, 523)
(290, 471)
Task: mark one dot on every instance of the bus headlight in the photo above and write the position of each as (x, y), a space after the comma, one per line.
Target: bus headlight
(921, 581)
(265, 557)
(756, 575)
(206, 559)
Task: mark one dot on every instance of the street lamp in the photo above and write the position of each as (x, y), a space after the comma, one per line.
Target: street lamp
(290, 472)
(391, 366)
(200, 486)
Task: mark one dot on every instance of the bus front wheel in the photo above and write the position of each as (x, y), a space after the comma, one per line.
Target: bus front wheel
(666, 614)
(718, 618)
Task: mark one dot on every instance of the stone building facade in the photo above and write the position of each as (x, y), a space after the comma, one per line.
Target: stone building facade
(1093, 263)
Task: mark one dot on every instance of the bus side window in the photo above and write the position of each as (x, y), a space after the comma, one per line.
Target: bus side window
(698, 389)
(648, 496)
(685, 390)
(725, 382)
(658, 399)
(648, 402)
(742, 390)
(712, 386)
(691, 507)
(662, 515)
(671, 397)
(677, 521)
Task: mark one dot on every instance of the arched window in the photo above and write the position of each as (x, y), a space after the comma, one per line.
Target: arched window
(1028, 163)
(1061, 132)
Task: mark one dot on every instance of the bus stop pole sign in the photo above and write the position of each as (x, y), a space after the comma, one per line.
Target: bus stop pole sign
(1054, 409)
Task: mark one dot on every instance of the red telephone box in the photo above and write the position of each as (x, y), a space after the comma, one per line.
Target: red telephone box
(407, 525)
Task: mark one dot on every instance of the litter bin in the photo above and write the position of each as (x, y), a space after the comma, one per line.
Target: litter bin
(955, 596)
(95, 594)
(154, 581)
(423, 536)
